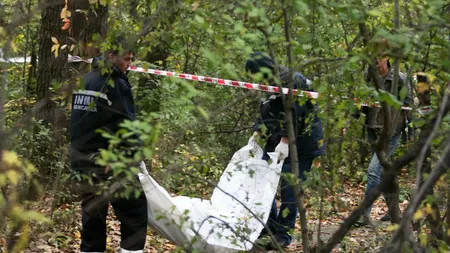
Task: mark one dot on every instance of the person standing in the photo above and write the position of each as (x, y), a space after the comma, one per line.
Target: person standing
(272, 126)
(374, 124)
(105, 103)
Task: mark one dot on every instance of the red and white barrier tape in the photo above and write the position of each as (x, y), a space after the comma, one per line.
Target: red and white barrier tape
(224, 82)
(377, 104)
(240, 84)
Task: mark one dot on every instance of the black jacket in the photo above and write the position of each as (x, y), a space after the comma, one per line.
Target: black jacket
(105, 102)
(307, 125)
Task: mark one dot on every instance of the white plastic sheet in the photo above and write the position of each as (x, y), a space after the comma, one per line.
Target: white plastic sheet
(232, 220)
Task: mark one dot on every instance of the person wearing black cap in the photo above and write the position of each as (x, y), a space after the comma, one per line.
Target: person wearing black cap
(272, 126)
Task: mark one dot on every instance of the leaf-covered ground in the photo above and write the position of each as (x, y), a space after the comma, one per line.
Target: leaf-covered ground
(63, 235)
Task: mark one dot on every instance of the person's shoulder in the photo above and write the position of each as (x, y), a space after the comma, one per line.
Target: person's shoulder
(93, 74)
(94, 80)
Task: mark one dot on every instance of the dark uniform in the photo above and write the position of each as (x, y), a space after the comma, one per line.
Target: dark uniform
(105, 102)
(309, 139)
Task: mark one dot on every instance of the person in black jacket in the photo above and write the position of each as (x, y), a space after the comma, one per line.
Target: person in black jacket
(105, 102)
(309, 139)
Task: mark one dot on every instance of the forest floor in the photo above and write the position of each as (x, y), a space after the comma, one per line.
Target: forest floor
(63, 235)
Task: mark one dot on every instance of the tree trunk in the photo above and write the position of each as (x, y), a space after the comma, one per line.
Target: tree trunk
(392, 197)
(52, 71)
(50, 68)
(91, 21)
(392, 189)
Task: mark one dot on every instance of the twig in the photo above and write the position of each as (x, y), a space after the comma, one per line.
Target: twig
(403, 230)
(430, 138)
(228, 132)
(441, 167)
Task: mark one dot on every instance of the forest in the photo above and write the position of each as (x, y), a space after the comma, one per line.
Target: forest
(190, 127)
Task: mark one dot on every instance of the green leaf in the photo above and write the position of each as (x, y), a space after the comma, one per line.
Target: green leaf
(307, 46)
(389, 99)
(285, 213)
(403, 92)
(199, 19)
(374, 13)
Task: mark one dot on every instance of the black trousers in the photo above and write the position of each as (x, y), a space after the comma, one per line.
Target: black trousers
(131, 212)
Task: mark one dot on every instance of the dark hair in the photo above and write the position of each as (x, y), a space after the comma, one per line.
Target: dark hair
(119, 45)
(422, 78)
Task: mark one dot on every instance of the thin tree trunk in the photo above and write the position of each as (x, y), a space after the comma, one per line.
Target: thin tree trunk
(32, 71)
(158, 53)
(393, 189)
(292, 140)
(3, 84)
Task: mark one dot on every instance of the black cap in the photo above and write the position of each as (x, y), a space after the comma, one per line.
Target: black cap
(257, 61)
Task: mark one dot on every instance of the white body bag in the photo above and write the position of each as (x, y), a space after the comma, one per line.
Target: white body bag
(234, 217)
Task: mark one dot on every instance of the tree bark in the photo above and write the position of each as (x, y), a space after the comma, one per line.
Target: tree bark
(50, 68)
(52, 71)
(92, 20)
(393, 189)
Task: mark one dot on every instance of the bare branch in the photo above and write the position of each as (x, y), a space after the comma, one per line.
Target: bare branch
(354, 216)
(440, 168)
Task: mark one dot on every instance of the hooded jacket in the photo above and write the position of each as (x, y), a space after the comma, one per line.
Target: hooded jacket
(104, 104)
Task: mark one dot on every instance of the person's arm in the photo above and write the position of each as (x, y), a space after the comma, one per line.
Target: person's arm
(301, 82)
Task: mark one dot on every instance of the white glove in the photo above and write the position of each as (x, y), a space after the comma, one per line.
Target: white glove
(252, 141)
(282, 149)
